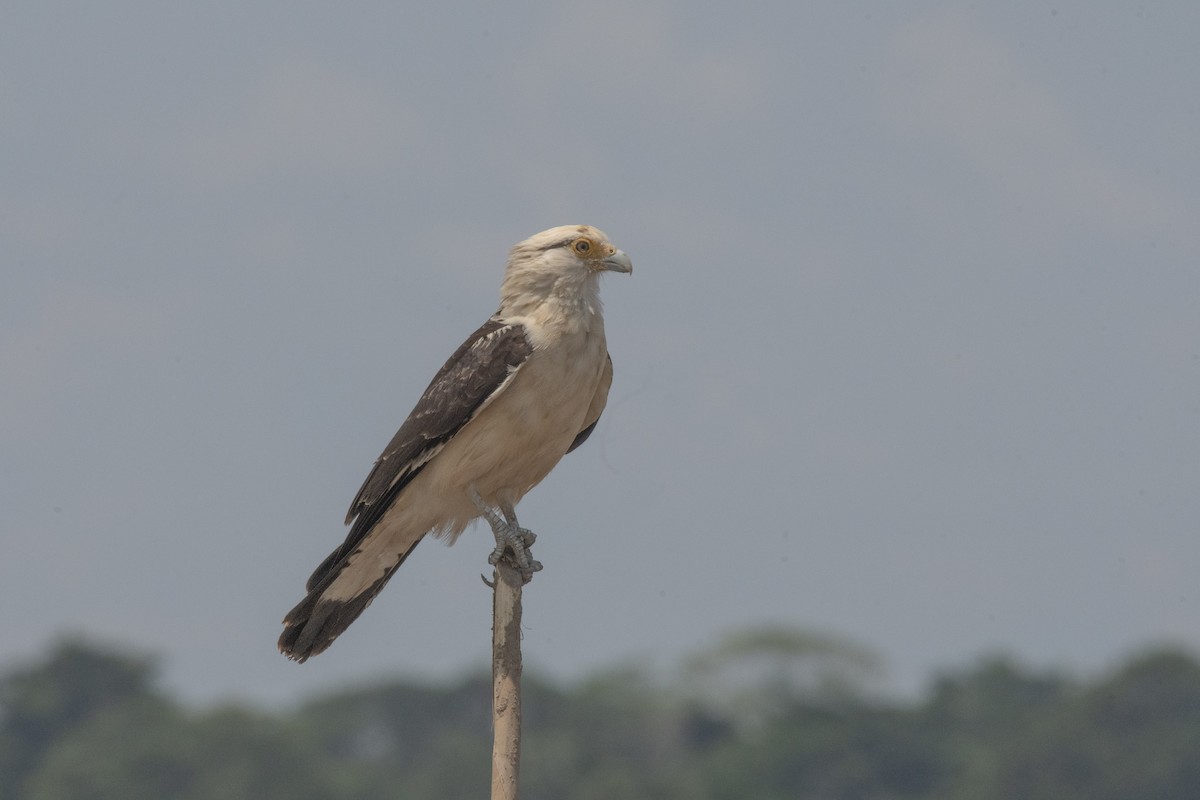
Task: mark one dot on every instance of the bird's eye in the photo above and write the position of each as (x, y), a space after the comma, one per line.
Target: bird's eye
(582, 246)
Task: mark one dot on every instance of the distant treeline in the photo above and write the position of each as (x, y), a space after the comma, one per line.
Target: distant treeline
(769, 713)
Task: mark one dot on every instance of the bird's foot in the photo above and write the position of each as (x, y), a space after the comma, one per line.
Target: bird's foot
(513, 545)
(512, 541)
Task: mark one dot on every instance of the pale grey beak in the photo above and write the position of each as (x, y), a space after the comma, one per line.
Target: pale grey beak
(618, 262)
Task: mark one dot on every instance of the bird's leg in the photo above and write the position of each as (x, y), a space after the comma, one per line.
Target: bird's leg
(523, 537)
(510, 514)
(500, 528)
(509, 538)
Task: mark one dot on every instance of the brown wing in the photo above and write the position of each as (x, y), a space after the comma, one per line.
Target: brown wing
(479, 369)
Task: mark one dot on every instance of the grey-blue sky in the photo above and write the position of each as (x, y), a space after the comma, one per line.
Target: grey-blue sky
(912, 350)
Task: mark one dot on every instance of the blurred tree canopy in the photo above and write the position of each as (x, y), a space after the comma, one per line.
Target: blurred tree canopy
(765, 713)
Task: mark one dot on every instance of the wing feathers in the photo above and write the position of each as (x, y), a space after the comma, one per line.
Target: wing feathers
(469, 379)
(477, 370)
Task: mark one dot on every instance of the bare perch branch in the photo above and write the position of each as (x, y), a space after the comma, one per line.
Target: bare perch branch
(506, 681)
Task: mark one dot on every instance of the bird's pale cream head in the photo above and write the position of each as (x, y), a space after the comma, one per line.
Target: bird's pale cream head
(561, 263)
(587, 246)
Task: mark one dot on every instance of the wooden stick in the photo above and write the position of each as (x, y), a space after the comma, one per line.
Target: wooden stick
(506, 681)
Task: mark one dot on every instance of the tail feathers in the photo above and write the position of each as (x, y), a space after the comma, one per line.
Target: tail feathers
(311, 626)
(331, 564)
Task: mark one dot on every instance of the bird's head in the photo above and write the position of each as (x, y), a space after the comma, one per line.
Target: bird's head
(563, 264)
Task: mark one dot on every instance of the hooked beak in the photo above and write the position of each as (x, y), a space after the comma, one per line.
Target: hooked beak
(617, 262)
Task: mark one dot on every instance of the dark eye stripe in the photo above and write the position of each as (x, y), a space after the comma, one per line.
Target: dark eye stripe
(556, 245)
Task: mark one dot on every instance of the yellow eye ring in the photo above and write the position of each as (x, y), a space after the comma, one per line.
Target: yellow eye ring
(582, 246)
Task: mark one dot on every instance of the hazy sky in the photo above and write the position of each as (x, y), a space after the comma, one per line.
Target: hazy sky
(911, 350)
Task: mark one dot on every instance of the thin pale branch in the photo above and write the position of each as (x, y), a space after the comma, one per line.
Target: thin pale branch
(506, 681)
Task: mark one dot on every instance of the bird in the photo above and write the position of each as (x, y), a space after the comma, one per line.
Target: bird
(521, 392)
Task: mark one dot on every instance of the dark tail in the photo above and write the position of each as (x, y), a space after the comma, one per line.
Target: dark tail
(310, 627)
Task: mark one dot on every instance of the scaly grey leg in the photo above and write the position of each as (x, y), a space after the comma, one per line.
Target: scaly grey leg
(510, 514)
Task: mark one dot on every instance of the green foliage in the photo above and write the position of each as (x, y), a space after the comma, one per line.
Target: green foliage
(43, 703)
(153, 751)
(88, 723)
(1136, 734)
